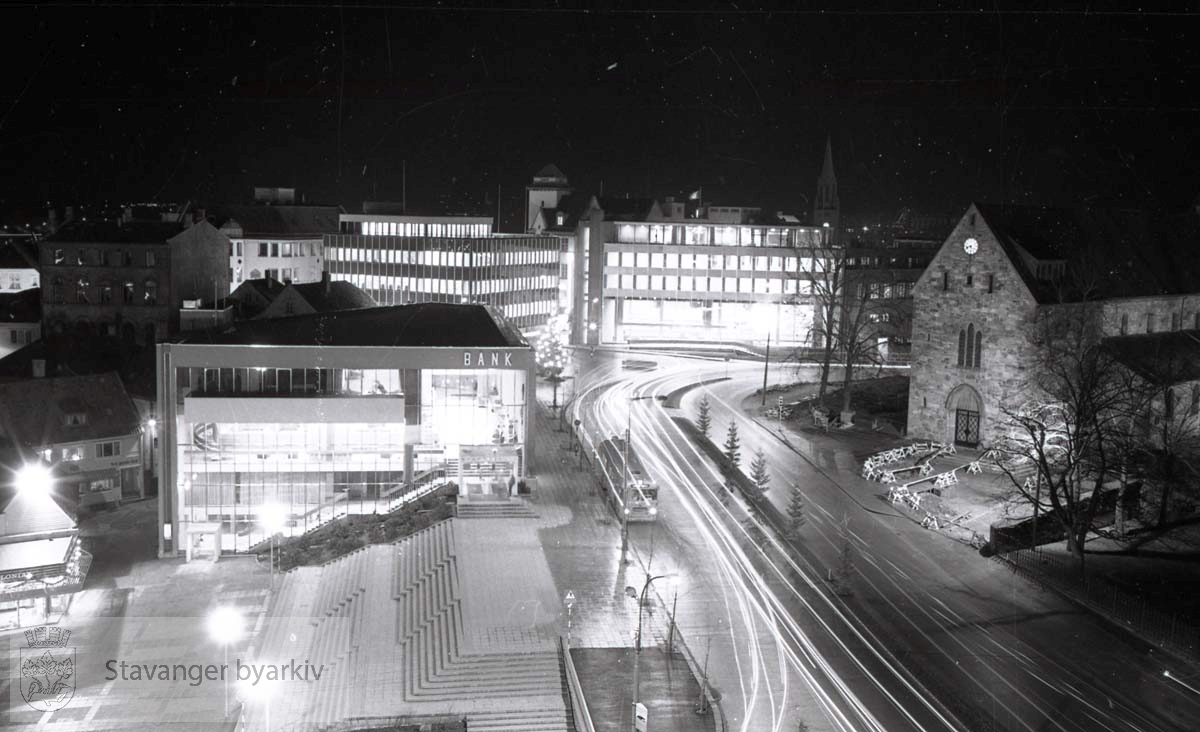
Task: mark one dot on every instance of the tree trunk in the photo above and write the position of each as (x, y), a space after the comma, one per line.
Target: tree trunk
(847, 379)
(826, 362)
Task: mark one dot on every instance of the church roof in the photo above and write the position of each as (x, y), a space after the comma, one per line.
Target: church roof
(550, 173)
(1108, 253)
(1163, 359)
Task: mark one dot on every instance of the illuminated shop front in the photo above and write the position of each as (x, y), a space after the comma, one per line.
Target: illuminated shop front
(42, 564)
(335, 413)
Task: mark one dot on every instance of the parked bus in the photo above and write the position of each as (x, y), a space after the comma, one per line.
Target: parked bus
(642, 494)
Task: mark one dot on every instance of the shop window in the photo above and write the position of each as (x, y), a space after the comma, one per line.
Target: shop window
(151, 295)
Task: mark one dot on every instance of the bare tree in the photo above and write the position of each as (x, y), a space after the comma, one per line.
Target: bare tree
(1072, 423)
(853, 309)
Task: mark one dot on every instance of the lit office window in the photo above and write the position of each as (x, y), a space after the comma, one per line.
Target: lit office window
(672, 261)
(642, 282)
(685, 283)
(643, 259)
(730, 284)
(760, 264)
(656, 260)
(626, 282)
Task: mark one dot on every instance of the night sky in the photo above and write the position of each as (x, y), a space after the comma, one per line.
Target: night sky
(931, 109)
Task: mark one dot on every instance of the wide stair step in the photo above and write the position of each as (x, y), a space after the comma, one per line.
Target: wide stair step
(500, 509)
(541, 720)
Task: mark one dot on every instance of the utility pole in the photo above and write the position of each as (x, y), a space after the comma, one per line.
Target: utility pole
(766, 365)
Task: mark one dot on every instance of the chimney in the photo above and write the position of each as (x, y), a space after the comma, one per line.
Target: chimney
(39, 368)
(325, 282)
(53, 214)
(199, 215)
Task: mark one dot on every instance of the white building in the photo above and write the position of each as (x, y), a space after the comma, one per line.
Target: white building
(282, 242)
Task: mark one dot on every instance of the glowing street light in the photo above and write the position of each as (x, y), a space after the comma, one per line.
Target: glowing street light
(260, 692)
(226, 625)
(35, 478)
(637, 652)
(272, 517)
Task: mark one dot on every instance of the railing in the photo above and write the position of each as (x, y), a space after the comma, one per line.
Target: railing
(1171, 631)
(579, 708)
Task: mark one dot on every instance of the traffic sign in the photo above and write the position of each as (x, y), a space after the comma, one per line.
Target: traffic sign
(569, 600)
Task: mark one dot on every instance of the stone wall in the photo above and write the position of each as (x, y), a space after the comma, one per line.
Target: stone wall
(997, 303)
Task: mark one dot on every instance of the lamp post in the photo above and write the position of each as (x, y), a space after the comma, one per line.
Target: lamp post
(225, 625)
(152, 423)
(637, 650)
(272, 517)
(261, 691)
(674, 601)
(35, 478)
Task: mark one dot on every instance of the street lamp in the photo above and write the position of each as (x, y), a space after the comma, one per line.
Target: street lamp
(225, 626)
(272, 517)
(35, 478)
(637, 651)
(152, 424)
(262, 691)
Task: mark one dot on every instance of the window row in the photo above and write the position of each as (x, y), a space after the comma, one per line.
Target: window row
(103, 257)
(404, 228)
(282, 249)
(84, 293)
(745, 263)
(688, 283)
(450, 287)
(74, 453)
(1162, 321)
(884, 290)
(705, 234)
(441, 258)
(986, 279)
(20, 336)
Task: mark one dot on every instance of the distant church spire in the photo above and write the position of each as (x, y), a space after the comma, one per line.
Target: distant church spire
(826, 207)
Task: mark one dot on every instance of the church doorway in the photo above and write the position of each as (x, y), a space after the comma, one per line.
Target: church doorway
(964, 408)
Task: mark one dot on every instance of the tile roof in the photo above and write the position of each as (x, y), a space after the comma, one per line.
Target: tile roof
(30, 513)
(1163, 359)
(18, 254)
(288, 220)
(1111, 252)
(339, 296)
(35, 409)
(434, 325)
(107, 232)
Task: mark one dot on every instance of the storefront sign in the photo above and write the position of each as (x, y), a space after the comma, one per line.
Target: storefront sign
(481, 359)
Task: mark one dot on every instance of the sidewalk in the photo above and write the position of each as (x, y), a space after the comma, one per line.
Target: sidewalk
(138, 609)
(584, 558)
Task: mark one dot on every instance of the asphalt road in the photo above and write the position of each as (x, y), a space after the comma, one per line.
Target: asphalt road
(925, 634)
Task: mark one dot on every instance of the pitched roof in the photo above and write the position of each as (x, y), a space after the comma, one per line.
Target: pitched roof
(284, 220)
(550, 170)
(35, 409)
(339, 295)
(625, 209)
(17, 255)
(572, 206)
(24, 306)
(29, 513)
(435, 325)
(1172, 357)
(107, 232)
(1111, 252)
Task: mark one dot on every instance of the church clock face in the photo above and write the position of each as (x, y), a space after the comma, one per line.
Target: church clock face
(970, 246)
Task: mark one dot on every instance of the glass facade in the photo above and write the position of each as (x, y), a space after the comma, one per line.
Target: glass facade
(325, 442)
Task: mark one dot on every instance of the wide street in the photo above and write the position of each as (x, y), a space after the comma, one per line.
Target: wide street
(926, 634)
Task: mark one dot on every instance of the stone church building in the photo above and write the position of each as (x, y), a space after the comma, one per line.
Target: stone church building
(975, 305)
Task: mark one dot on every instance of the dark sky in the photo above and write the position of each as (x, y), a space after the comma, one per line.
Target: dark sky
(930, 109)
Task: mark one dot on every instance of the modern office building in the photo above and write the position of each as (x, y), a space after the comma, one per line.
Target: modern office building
(337, 412)
(399, 259)
(682, 270)
(129, 279)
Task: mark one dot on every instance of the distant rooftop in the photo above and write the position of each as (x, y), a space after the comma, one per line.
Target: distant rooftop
(431, 325)
(36, 410)
(107, 232)
(280, 220)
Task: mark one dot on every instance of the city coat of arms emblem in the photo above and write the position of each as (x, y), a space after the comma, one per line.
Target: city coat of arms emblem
(47, 669)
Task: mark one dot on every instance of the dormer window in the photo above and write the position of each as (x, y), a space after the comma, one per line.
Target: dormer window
(560, 219)
(75, 419)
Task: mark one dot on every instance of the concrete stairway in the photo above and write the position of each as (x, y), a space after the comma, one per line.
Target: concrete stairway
(497, 509)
